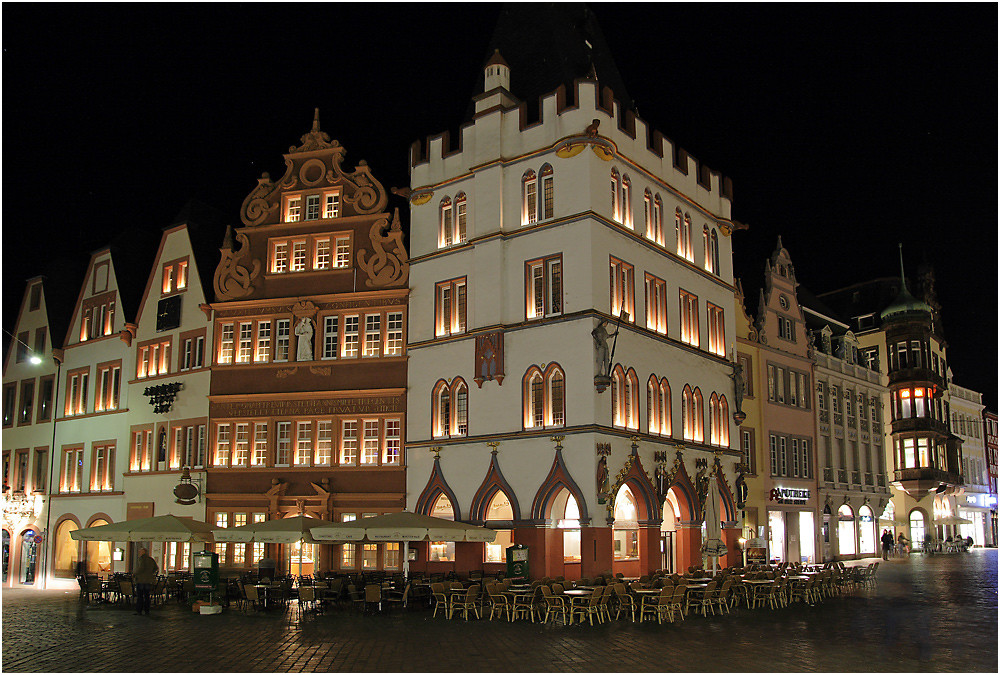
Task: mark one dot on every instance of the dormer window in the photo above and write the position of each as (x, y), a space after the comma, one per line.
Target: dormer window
(316, 205)
(174, 277)
(293, 210)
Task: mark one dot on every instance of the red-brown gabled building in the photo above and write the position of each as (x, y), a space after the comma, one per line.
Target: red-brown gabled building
(308, 394)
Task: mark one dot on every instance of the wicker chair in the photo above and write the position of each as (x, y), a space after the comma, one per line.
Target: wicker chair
(554, 605)
(468, 602)
(626, 602)
(589, 610)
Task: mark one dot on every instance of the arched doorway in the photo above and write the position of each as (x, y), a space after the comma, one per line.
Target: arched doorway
(867, 534)
(668, 532)
(625, 534)
(566, 514)
(27, 563)
(845, 531)
(67, 551)
(499, 517)
(6, 554)
(98, 553)
(442, 551)
(917, 528)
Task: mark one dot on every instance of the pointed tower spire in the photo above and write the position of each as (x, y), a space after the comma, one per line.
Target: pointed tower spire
(905, 303)
(315, 128)
(902, 272)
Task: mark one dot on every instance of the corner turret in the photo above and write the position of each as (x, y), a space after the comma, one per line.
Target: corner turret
(496, 86)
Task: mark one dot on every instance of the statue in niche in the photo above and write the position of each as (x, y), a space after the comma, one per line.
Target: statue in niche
(603, 356)
(739, 384)
(304, 333)
(602, 480)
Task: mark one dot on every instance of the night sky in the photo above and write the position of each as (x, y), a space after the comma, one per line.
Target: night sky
(845, 128)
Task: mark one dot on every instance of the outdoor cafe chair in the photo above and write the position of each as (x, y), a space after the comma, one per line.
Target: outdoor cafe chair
(650, 604)
(555, 605)
(606, 597)
(307, 600)
(626, 603)
(499, 603)
(724, 595)
(703, 598)
(465, 604)
(440, 599)
(95, 590)
(125, 591)
(397, 598)
(356, 597)
(589, 609)
(522, 607)
(252, 596)
(373, 596)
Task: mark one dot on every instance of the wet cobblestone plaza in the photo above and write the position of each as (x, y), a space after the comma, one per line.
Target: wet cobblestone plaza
(936, 613)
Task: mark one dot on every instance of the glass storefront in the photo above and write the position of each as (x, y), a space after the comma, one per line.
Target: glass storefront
(845, 530)
(866, 531)
(807, 537)
(776, 535)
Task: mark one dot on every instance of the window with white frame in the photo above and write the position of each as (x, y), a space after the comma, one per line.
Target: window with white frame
(293, 209)
(529, 198)
(349, 442)
(330, 333)
(370, 442)
(324, 442)
(312, 207)
(544, 286)
(656, 304)
(350, 347)
(303, 444)
(446, 226)
(322, 256)
(373, 335)
(548, 192)
(259, 457)
(711, 245)
(544, 398)
(245, 346)
(393, 442)
(719, 420)
(450, 307)
(225, 345)
(654, 217)
(716, 330)
(393, 334)
(222, 445)
(279, 257)
(622, 289)
(241, 447)
(331, 205)
(690, 332)
(283, 452)
(103, 468)
(343, 259)
(262, 354)
(282, 338)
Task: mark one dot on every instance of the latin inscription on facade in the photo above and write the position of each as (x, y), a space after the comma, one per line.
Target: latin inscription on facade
(374, 405)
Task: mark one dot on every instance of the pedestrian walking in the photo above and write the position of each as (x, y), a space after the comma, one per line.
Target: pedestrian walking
(144, 576)
(887, 542)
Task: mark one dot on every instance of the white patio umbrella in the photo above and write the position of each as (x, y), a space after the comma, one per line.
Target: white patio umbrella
(952, 520)
(405, 527)
(281, 531)
(713, 546)
(157, 528)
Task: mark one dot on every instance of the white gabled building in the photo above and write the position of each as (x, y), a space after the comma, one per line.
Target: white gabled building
(168, 385)
(973, 502)
(523, 240)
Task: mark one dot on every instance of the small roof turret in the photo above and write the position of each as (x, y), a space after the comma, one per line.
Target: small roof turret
(905, 303)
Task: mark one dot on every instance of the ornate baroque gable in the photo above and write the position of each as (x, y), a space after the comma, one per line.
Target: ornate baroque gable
(315, 164)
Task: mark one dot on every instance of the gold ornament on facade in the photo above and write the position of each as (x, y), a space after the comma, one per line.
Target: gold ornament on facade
(385, 268)
(233, 277)
(421, 198)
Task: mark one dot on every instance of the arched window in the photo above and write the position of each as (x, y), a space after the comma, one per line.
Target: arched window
(626, 219)
(450, 408)
(446, 228)
(719, 414)
(647, 209)
(544, 398)
(679, 231)
(866, 531)
(686, 234)
(658, 220)
(529, 198)
(653, 405)
(442, 551)
(548, 192)
(845, 530)
(715, 252)
(616, 197)
(624, 398)
(566, 513)
(98, 552)
(917, 527)
(461, 218)
(692, 414)
(666, 425)
(707, 241)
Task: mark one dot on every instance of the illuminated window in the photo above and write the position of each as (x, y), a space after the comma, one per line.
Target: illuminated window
(394, 334)
(242, 448)
(349, 442)
(689, 319)
(259, 444)
(658, 406)
(719, 420)
(293, 209)
(226, 342)
(245, 347)
(392, 557)
(283, 453)
(446, 229)
(544, 397)
(303, 444)
(298, 256)
(312, 207)
(716, 330)
(682, 228)
(222, 445)
(548, 192)
(624, 398)
(616, 197)
(369, 449)
(622, 290)
(373, 335)
(263, 353)
(103, 469)
(282, 330)
(529, 198)
(331, 205)
(656, 304)
(324, 442)
(450, 307)
(626, 526)
(322, 257)
(343, 252)
(330, 323)
(393, 443)
(450, 408)
(544, 287)
(693, 414)
(77, 385)
(350, 348)
(72, 474)
(109, 386)
(654, 217)
(279, 257)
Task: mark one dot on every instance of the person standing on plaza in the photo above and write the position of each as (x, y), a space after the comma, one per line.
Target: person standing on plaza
(886, 544)
(144, 576)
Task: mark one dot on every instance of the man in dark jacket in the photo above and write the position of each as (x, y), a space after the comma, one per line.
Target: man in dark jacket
(144, 578)
(887, 542)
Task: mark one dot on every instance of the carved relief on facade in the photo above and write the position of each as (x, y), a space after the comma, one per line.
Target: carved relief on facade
(489, 358)
(385, 267)
(236, 272)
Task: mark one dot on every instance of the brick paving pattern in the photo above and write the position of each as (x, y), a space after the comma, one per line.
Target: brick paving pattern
(927, 614)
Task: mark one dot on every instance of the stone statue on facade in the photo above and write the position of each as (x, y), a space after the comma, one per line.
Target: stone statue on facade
(739, 384)
(603, 356)
(304, 333)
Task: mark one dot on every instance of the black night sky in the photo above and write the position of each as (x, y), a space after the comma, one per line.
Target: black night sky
(845, 128)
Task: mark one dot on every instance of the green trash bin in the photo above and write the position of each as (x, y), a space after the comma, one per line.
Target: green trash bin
(206, 570)
(517, 562)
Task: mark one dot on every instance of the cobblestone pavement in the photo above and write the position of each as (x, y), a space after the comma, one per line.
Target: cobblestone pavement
(935, 613)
